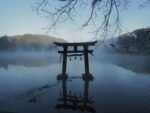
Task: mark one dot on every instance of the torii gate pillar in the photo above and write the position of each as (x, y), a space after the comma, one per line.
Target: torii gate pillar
(75, 52)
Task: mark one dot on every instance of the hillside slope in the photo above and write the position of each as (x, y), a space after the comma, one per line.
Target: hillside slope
(28, 42)
(137, 42)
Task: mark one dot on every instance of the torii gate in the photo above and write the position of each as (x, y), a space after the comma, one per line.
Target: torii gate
(75, 52)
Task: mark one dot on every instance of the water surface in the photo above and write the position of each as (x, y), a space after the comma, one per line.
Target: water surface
(28, 84)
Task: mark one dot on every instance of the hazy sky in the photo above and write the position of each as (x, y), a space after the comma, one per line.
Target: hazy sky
(17, 17)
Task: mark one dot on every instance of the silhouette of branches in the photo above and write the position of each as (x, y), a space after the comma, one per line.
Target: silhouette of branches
(104, 14)
(145, 3)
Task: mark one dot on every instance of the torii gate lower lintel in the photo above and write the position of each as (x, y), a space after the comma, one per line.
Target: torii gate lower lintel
(75, 52)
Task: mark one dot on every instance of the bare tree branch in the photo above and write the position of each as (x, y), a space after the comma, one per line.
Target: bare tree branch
(61, 10)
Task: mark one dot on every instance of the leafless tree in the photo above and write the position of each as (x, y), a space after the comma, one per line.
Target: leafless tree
(104, 14)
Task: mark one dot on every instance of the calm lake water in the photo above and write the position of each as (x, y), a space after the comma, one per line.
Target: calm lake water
(28, 84)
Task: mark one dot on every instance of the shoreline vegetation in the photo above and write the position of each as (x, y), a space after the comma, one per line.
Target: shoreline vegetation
(28, 42)
(130, 51)
(136, 42)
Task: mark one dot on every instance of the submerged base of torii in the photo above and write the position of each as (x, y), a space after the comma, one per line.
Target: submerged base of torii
(75, 52)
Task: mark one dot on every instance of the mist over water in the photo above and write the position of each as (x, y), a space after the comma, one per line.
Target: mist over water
(138, 63)
(28, 59)
(28, 82)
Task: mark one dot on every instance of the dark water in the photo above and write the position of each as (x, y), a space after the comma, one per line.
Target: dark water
(28, 84)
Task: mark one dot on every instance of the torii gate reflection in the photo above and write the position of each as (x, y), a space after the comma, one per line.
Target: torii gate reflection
(68, 101)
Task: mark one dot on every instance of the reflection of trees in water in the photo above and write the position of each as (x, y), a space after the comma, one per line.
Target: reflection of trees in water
(133, 62)
(5, 44)
(72, 101)
(27, 62)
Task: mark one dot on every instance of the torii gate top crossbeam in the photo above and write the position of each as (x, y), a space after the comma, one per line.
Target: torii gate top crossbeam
(76, 44)
(75, 52)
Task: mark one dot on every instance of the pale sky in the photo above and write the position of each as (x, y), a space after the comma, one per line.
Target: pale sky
(17, 17)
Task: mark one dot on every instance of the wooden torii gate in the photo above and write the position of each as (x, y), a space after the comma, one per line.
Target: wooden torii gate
(75, 52)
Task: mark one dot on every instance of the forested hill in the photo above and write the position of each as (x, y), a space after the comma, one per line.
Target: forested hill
(27, 42)
(137, 42)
